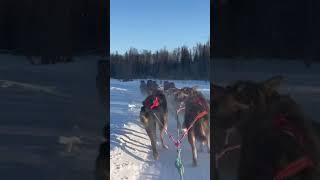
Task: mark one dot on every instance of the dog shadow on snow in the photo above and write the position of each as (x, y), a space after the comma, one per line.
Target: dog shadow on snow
(128, 144)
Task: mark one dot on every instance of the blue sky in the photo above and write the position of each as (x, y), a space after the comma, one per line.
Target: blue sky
(154, 24)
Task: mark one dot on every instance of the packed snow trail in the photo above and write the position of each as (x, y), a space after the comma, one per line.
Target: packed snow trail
(131, 155)
(44, 109)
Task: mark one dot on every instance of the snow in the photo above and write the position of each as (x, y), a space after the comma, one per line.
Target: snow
(44, 108)
(131, 155)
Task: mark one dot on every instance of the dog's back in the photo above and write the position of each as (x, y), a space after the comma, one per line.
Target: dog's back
(162, 99)
(201, 128)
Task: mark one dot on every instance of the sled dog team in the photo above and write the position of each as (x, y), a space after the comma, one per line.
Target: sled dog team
(265, 132)
(185, 104)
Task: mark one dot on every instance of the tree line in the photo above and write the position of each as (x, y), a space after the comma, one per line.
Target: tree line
(180, 63)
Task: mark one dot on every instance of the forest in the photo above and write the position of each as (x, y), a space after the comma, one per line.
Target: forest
(180, 63)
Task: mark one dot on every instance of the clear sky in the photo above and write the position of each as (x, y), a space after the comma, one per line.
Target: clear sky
(154, 24)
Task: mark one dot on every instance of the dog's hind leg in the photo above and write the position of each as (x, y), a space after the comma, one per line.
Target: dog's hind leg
(151, 131)
(178, 122)
(163, 129)
(192, 141)
(201, 146)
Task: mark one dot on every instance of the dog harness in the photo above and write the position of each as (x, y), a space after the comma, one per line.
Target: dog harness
(305, 162)
(153, 103)
(177, 142)
(293, 168)
(227, 148)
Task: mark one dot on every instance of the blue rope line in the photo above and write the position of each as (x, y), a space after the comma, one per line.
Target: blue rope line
(179, 165)
(178, 162)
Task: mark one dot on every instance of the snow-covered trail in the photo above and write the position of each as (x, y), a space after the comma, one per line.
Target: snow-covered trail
(131, 154)
(40, 105)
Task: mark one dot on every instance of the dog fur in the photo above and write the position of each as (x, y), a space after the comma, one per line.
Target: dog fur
(150, 121)
(201, 129)
(250, 107)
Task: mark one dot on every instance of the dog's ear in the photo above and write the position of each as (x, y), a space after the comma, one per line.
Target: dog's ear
(217, 91)
(273, 83)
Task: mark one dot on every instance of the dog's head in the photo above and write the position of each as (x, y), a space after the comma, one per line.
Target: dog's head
(236, 103)
(185, 93)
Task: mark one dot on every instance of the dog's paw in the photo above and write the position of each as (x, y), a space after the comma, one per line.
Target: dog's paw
(156, 156)
(194, 164)
(201, 149)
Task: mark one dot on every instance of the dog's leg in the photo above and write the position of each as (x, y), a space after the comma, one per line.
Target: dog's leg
(151, 131)
(192, 142)
(163, 128)
(201, 146)
(178, 122)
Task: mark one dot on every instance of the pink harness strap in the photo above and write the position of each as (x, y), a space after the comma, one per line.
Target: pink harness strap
(227, 149)
(293, 168)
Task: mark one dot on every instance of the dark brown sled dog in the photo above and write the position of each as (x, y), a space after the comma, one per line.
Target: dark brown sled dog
(154, 111)
(196, 105)
(277, 141)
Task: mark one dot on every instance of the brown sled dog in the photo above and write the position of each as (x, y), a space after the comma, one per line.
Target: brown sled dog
(150, 118)
(196, 104)
(168, 85)
(277, 141)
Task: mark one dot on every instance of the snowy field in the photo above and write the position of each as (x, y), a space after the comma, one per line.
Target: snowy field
(40, 107)
(131, 155)
(302, 83)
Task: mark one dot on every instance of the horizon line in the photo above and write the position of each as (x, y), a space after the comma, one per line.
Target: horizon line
(165, 47)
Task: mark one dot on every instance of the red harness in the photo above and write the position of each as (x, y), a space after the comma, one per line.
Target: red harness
(153, 103)
(305, 162)
(282, 123)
